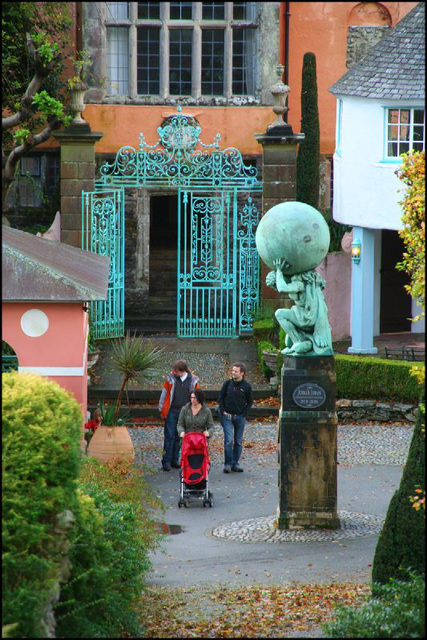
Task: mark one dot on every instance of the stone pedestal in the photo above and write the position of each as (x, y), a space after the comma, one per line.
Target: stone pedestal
(308, 444)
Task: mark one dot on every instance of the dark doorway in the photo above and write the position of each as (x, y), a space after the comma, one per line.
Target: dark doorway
(163, 253)
(396, 303)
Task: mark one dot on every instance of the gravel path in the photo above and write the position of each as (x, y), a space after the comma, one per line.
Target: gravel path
(361, 444)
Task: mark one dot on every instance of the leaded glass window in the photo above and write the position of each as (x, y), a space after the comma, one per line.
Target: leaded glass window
(148, 62)
(148, 10)
(212, 62)
(213, 10)
(181, 10)
(181, 48)
(118, 59)
(180, 61)
(243, 53)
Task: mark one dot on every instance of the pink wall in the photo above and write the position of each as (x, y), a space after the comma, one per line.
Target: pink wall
(63, 345)
(336, 270)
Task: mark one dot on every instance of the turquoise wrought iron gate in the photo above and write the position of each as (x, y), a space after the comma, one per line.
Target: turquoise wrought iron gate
(218, 265)
(218, 270)
(103, 232)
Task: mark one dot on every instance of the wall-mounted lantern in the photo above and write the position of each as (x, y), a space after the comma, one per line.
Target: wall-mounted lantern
(356, 248)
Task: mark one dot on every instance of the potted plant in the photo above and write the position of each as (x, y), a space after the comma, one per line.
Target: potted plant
(270, 356)
(137, 361)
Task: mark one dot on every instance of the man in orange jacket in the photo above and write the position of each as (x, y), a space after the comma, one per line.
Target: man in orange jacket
(175, 394)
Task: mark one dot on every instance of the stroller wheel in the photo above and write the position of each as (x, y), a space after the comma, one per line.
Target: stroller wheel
(186, 504)
(210, 503)
(180, 504)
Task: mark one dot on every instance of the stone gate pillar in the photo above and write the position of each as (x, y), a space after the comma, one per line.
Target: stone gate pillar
(279, 165)
(77, 175)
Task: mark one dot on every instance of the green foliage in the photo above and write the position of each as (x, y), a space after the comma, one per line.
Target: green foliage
(115, 529)
(49, 25)
(21, 135)
(365, 377)
(397, 611)
(81, 66)
(109, 418)
(50, 107)
(266, 345)
(308, 160)
(136, 360)
(266, 329)
(400, 546)
(413, 234)
(47, 50)
(41, 455)
(336, 231)
(6, 349)
(282, 338)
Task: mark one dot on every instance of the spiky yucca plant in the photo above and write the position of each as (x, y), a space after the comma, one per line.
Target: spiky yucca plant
(136, 360)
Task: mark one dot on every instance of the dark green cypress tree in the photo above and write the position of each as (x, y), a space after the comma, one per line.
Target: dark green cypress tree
(401, 544)
(308, 160)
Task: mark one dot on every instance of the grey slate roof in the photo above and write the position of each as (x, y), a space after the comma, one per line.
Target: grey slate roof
(39, 269)
(395, 67)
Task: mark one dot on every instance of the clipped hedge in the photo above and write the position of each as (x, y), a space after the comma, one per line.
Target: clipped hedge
(266, 329)
(366, 377)
(41, 458)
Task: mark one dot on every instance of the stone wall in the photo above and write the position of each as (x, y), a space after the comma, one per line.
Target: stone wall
(375, 411)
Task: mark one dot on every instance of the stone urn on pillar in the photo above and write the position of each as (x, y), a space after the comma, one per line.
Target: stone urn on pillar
(78, 91)
(292, 239)
(279, 92)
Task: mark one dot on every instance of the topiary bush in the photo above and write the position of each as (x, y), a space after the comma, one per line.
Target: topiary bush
(397, 611)
(365, 377)
(308, 159)
(41, 433)
(401, 544)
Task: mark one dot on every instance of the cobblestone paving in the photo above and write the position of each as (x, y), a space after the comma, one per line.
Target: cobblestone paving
(263, 529)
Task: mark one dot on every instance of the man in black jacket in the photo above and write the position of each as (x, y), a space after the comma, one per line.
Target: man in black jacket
(235, 400)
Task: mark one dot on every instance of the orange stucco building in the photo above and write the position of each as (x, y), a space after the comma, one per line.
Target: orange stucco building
(323, 28)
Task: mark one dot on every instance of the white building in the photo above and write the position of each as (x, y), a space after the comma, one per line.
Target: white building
(380, 115)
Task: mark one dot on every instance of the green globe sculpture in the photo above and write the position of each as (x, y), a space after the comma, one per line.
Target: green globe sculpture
(295, 232)
(292, 239)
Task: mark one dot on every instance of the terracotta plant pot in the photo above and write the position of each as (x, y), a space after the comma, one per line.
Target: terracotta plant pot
(109, 442)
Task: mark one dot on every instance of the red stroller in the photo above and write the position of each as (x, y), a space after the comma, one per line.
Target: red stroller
(195, 465)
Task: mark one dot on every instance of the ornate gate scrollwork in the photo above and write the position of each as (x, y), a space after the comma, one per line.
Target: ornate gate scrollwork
(218, 270)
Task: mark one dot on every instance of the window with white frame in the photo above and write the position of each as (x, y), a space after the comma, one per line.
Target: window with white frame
(183, 49)
(404, 131)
